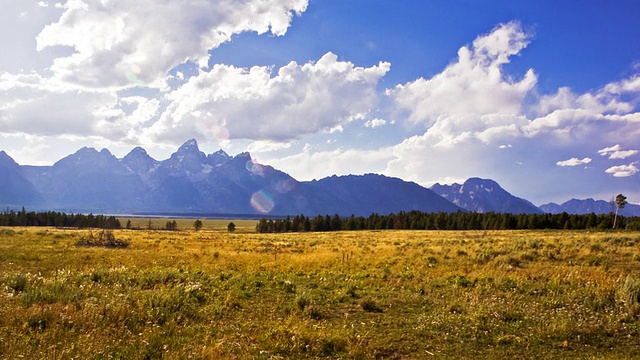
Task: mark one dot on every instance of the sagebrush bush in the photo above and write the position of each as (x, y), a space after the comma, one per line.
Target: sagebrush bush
(105, 238)
(370, 305)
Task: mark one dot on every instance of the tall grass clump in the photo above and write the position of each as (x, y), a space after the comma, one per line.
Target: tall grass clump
(629, 294)
(18, 283)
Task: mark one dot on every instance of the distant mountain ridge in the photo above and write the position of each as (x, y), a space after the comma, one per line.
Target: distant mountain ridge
(191, 181)
(587, 206)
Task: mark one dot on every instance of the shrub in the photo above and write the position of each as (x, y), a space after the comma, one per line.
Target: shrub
(105, 238)
(302, 302)
(461, 281)
(7, 232)
(315, 313)
(369, 305)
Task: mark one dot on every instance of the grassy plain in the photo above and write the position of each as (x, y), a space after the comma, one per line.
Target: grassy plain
(353, 295)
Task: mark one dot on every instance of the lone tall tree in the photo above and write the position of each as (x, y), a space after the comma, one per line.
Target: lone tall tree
(197, 225)
(621, 201)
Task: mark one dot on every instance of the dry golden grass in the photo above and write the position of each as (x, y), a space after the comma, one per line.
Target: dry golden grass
(369, 294)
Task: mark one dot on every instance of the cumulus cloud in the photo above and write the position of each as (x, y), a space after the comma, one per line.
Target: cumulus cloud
(623, 154)
(623, 170)
(374, 123)
(616, 152)
(138, 42)
(236, 103)
(472, 109)
(609, 150)
(574, 162)
(474, 84)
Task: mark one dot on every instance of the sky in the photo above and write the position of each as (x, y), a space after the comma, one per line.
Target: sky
(541, 96)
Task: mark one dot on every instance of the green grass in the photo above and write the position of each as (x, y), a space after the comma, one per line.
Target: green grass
(355, 295)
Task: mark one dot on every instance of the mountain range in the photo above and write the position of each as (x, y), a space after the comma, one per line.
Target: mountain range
(191, 181)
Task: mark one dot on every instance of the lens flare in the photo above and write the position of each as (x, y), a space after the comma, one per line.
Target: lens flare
(133, 74)
(285, 186)
(255, 168)
(262, 202)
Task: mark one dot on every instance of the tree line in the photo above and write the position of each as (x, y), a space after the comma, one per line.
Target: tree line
(416, 220)
(57, 219)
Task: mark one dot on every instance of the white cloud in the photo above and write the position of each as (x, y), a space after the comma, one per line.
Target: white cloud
(35, 105)
(474, 84)
(609, 150)
(374, 123)
(32, 104)
(631, 85)
(236, 103)
(623, 154)
(623, 170)
(616, 152)
(471, 110)
(305, 165)
(601, 102)
(267, 146)
(574, 162)
(138, 42)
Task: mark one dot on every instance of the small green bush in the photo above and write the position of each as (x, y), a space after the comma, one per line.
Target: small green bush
(369, 305)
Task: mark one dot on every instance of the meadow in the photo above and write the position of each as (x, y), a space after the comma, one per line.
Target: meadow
(395, 294)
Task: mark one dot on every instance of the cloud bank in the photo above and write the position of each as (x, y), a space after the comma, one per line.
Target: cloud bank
(473, 108)
(148, 76)
(235, 103)
(138, 42)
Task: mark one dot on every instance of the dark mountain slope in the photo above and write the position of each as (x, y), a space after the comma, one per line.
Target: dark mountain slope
(371, 193)
(17, 190)
(484, 195)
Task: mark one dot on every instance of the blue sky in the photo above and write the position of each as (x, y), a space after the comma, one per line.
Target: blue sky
(541, 96)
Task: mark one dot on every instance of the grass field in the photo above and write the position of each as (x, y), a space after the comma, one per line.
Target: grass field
(354, 295)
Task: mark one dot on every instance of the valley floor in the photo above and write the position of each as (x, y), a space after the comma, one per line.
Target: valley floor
(212, 294)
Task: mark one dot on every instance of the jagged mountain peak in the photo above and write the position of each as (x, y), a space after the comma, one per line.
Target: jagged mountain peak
(188, 149)
(243, 156)
(221, 153)
(137, 153)
(138, 150)
(139, 162)
(189, 145)
(218, 158)
(484, 195)
(88, 156)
